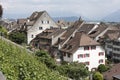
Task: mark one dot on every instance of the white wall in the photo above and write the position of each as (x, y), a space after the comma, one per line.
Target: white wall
(34, 30)
(68, 59)
(93, 59)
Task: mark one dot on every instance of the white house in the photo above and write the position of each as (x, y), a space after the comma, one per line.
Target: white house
(38, 22)
(81, 48)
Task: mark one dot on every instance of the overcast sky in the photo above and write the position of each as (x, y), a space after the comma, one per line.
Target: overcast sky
(92, 9)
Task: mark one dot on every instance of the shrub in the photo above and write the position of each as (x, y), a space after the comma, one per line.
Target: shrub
(18, 37)
(97, 76)
(102, 68)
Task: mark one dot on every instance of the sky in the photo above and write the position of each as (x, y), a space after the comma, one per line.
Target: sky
(91, 9)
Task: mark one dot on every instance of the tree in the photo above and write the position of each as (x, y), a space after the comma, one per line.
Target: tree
(102, 68)
(97, 76)
(3, 31)
(74, 70)
(18, 37)
(45, 58)
(1, 11)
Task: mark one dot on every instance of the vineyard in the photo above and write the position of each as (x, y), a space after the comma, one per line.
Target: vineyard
(17, 64)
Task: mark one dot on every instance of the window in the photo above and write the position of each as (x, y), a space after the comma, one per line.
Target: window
(80, 56)
(64, 54)
(32, 36)
(101, 61)
(40, 28)
(87, 55)
(93, 47)
(86, 48)
(68, 55)
(87, 63)
(42, 22)
(101, 53)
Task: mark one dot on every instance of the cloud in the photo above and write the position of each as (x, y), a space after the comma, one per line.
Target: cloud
(94, 9)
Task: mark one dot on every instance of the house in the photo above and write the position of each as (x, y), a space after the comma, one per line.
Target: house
(70, 32)
(81, 48)
(112, 44)
(113, 73)
(37, 23)
(47, 38)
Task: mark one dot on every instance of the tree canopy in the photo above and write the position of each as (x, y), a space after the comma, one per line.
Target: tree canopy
(97, 76)
(102, 68)
(18, 37)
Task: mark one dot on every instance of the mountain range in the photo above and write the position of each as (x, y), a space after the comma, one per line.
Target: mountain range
(113, 17)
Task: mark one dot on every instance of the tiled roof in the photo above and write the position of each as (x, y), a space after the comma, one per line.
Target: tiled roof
(86, 27)
(34, 17)
(71, 30)
(49, 33)
(101, 27)
(112, 72)
(80, 39)
(112, 34)
(22, 21)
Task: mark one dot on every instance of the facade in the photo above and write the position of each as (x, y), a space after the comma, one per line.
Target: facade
(83, 49)
(47, 38)
(112, 45)
(37, 23)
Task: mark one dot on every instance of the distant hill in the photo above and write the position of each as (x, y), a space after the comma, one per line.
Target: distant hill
(113, 17)
(72, 18)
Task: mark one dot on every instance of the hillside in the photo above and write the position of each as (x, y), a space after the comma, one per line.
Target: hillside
(17, 64)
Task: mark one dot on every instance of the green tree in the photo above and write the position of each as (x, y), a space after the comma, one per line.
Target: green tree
(45, 58)
(102, 68)
(3, 31)
(97, 76)
(18, 37)
(74, 70)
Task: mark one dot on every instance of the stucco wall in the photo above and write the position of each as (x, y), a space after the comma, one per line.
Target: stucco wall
(34, 30)
(93, 59)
